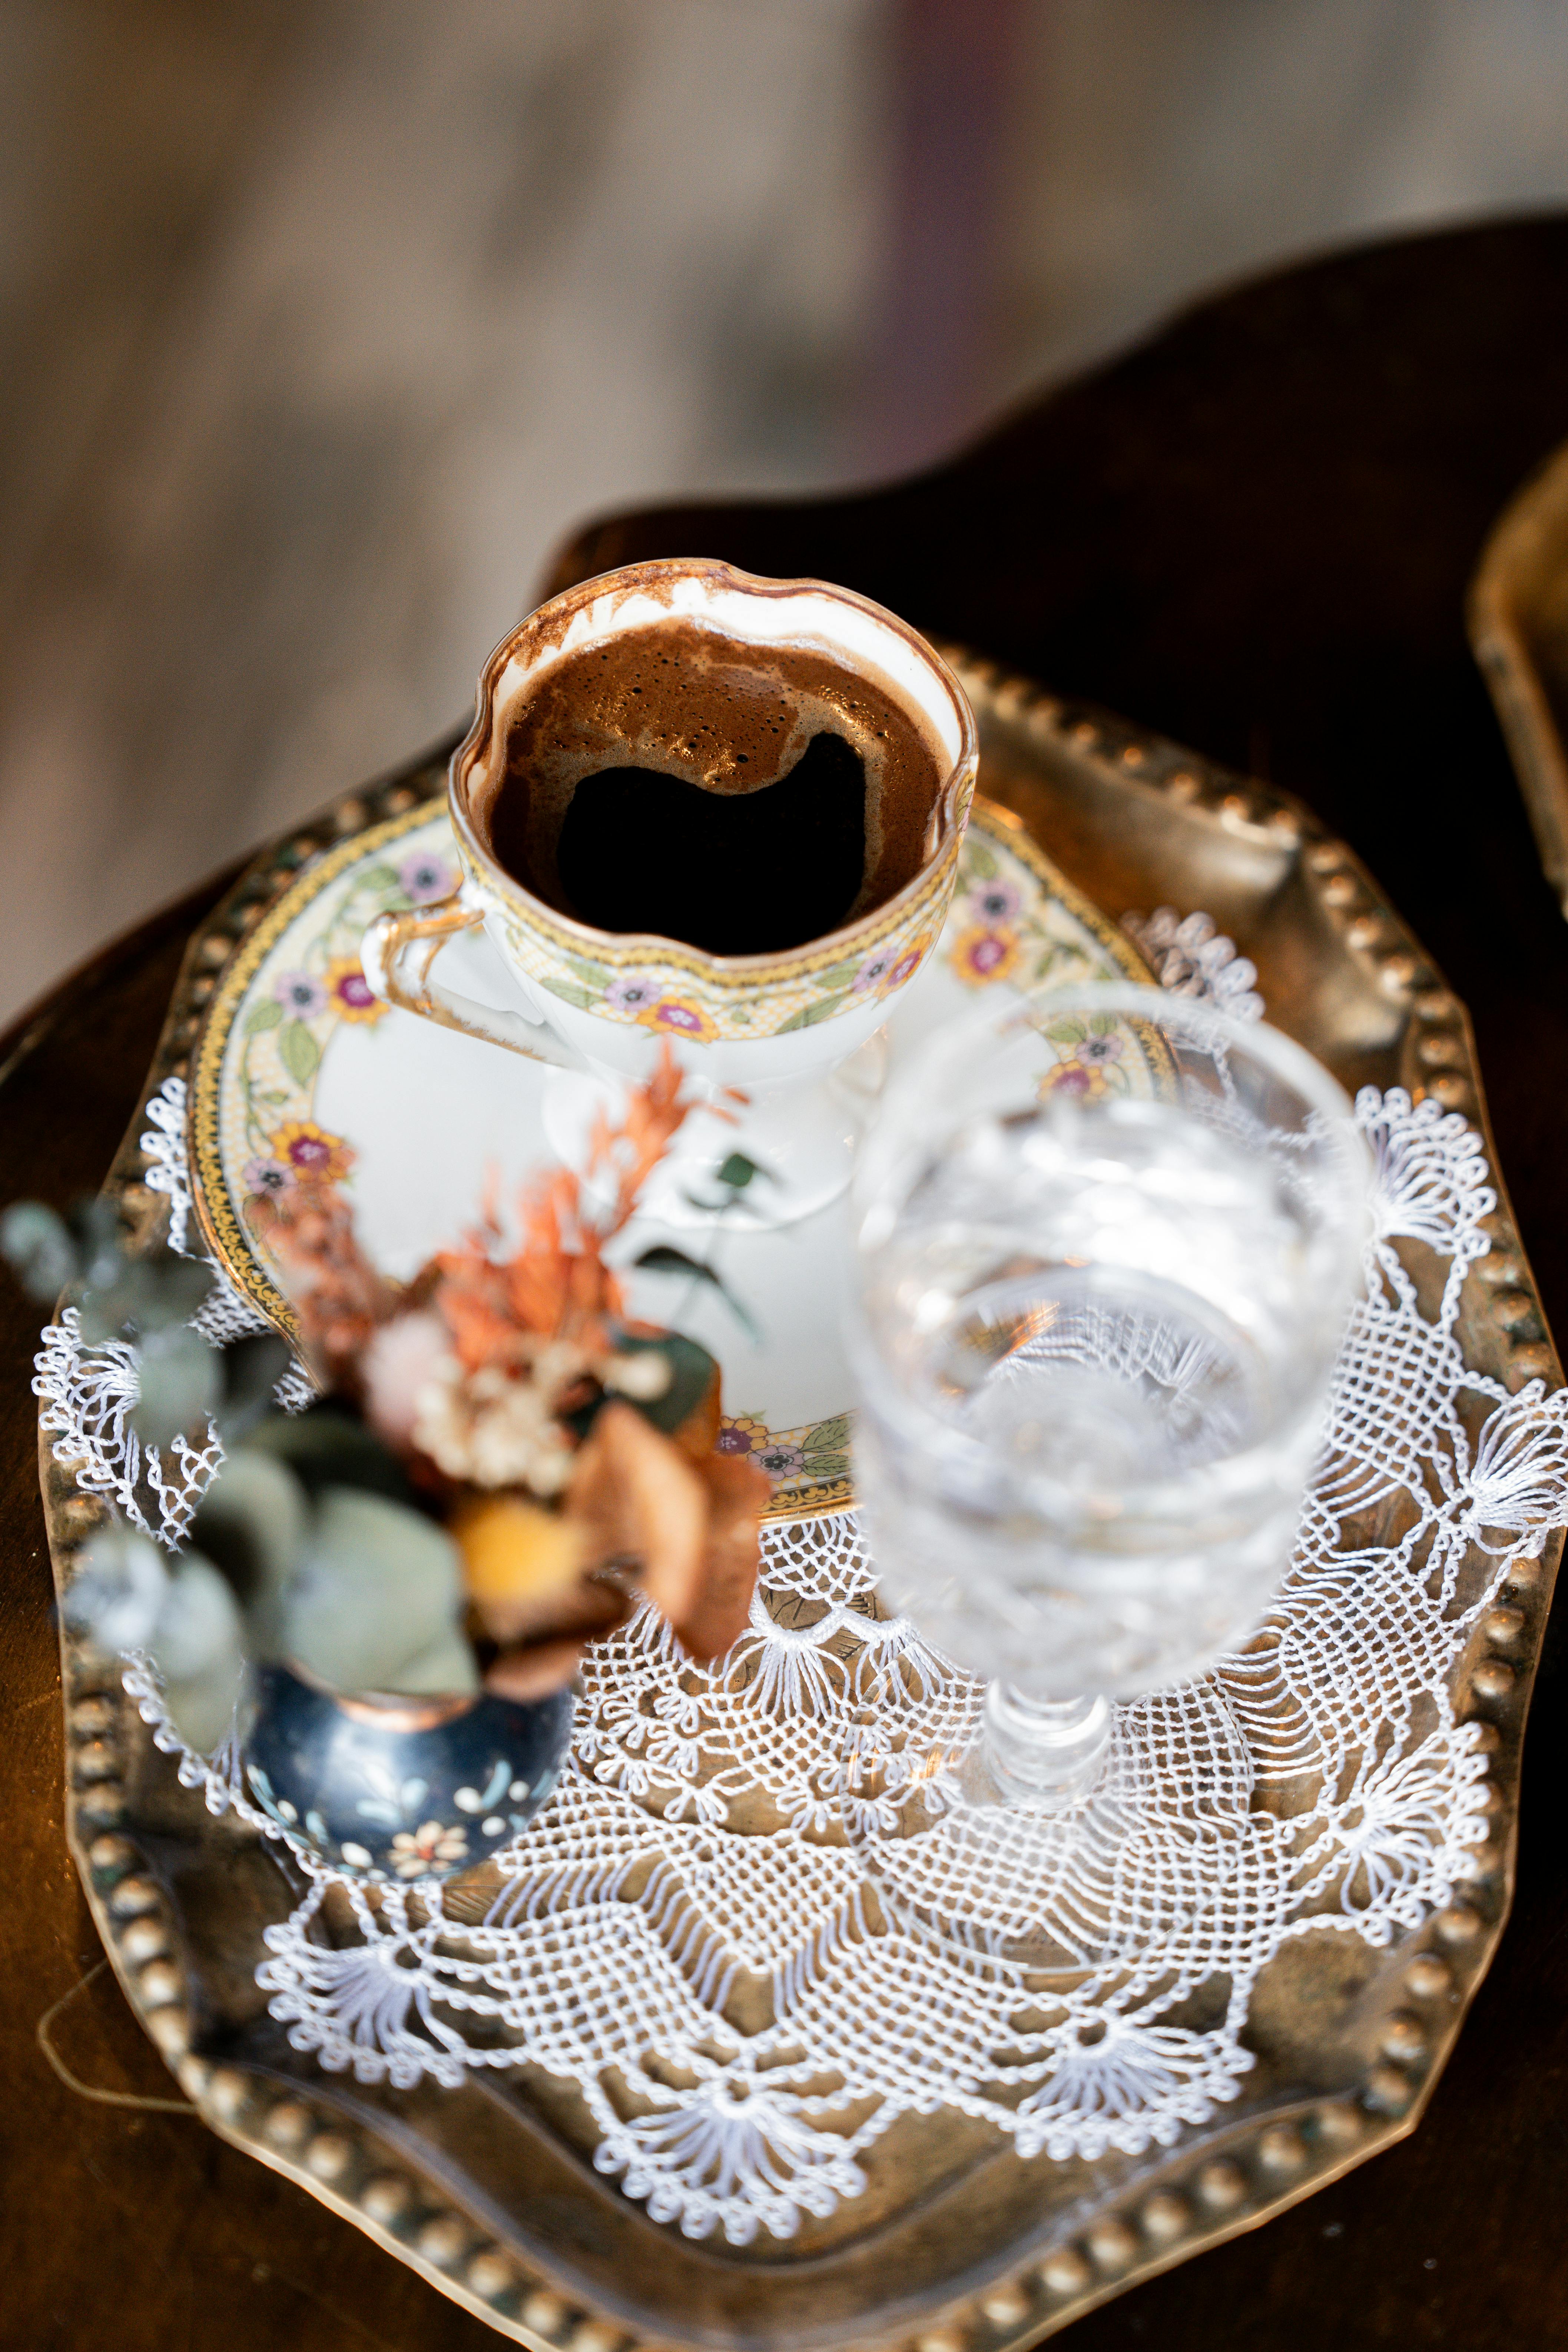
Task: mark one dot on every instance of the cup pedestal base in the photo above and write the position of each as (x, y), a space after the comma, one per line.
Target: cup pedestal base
(798, 1138)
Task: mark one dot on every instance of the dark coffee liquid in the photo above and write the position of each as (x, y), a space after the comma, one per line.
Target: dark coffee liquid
(744, 799)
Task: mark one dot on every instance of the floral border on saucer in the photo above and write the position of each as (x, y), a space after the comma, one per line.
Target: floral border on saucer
(1015, 919)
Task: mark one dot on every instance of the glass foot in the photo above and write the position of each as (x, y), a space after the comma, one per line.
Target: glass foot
(1005, 1847)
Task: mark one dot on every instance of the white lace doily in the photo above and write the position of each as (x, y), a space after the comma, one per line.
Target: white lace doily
(690, 1878)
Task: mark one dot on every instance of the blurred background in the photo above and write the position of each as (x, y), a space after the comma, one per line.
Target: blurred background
(325, 320)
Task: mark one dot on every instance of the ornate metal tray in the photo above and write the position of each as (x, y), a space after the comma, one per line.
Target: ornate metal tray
(959, 2246)
(1518, 617)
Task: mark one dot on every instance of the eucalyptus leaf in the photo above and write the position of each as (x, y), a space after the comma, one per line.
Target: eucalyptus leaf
(181, 1386)
(252, 1524)
(100, 1242)
(252, 1368)
(299, 1051)
(447, 1666)
(39, 1250)
(199, 1623)
(118, 1589)
(199, 1648)
(325, 1446)
(379, 1587)
(159, 1292)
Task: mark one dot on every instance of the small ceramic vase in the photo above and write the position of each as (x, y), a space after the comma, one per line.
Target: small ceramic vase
(382, 1786)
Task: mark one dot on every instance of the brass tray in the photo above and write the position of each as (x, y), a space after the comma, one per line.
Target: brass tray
(959, 2245)
(1518, 618)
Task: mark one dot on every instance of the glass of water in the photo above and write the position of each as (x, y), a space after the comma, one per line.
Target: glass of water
(1108, 1242)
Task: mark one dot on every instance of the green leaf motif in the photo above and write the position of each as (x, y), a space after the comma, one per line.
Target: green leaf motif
(580, 997)
(839, 975)
(831, 1435)
(299, 1051)
(1066, 1033)
(265, 1015)
(587, 971)
(822, 1466)
(981, 864)
(823, 1010)
(378, 877)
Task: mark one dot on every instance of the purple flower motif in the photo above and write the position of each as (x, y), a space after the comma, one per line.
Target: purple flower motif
(780, 1461)
(300, 994)
(995, 902)
(267, 1178)
(632, 992)
(426, 877)
(873, 971)
(1095, 1051)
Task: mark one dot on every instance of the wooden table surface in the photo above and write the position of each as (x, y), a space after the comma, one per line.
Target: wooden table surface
(1253, 535)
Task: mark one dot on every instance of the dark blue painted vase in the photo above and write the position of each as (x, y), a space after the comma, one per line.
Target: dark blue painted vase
(381, 1786)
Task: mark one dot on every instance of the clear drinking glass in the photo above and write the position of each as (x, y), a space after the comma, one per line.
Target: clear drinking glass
(1107, 1241)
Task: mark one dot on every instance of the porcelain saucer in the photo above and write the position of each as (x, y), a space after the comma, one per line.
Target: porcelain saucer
(299, 1067)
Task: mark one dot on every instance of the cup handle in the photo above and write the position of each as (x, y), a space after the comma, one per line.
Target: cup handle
(398, 951)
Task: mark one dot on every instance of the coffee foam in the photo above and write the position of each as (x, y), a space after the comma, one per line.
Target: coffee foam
(728, 716)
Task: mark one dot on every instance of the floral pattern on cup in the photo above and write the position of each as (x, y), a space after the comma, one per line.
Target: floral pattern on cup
(634, 993)
(678, 995)
(681, 1018)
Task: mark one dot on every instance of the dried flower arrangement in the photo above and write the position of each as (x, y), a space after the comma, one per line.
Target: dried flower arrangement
(499, 1463)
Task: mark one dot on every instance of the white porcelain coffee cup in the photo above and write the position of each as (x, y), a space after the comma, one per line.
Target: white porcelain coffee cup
(774, 1027)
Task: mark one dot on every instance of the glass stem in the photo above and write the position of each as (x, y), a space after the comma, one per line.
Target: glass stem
(1044, 1751)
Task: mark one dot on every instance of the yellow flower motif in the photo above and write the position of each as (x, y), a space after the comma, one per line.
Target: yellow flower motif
(983, 953)
(741, 1432)
(677, 1018)
(349, 993)
(1080, 1079)
(415, 1853)
(311, 1151)
(908, 964)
